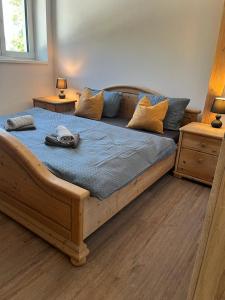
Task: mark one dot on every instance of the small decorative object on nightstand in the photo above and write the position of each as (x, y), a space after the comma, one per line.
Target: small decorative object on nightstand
(198, 152)
(55, 104)
(61, 84)
(218, 108)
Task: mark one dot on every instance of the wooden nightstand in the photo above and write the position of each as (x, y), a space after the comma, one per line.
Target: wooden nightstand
(55, 104)
(199, 147)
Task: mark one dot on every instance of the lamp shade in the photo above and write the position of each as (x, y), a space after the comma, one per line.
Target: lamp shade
(218, 105)
(61, 83)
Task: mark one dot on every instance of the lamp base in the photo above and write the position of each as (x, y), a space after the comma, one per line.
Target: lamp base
(217, 123)
(62, 95)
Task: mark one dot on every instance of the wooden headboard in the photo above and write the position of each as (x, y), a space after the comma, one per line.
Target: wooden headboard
(130, 99)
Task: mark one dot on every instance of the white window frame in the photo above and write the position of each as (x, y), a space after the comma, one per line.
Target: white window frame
(30, 54)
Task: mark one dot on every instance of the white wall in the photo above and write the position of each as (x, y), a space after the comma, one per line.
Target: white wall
(164, 45)
(20, 82)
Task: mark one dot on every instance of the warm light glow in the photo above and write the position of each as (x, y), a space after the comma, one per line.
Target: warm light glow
(71, 68)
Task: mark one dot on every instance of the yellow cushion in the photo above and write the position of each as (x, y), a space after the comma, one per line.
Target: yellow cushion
(90, 106)
(149, 117)
(145, 101)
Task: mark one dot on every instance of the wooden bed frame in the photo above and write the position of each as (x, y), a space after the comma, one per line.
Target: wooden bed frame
(62, 213)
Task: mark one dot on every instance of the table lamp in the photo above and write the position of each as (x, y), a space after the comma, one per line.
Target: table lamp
(218, 108)
(61, 84)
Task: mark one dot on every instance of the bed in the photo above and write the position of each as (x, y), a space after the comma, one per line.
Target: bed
(62, 213)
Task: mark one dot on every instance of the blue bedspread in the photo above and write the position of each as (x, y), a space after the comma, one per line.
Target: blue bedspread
(107, 158)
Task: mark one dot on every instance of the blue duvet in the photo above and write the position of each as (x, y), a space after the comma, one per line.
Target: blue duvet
(107, 158)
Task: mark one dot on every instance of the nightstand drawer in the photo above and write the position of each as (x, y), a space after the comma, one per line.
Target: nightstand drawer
(197, 164)
(55, 104)
(201, 143)
(43, 105)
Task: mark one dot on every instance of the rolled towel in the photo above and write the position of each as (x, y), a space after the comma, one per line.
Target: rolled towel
(64, 135)
(20, 123)
(52, 140)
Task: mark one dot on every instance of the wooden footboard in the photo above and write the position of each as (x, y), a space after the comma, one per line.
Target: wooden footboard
(61, 213)
(50, 207)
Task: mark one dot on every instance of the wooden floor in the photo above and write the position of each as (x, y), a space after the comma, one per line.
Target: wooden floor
(145, 252)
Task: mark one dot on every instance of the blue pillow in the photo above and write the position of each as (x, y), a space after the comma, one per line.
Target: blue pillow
(153, 98)
(175, 113)
(176, 110)
(111, 103)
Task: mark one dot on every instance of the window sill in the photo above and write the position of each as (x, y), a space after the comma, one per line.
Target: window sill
(22, 61)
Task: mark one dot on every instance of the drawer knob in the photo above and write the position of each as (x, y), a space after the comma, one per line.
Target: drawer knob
(203, 145)
(200, 160)
(184, 161)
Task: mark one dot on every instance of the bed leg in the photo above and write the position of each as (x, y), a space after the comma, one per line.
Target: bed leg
(81, 251)
(78, 263)
(80, 255)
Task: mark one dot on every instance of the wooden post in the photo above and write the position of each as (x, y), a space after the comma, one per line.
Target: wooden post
(217, 79)
(208, 280)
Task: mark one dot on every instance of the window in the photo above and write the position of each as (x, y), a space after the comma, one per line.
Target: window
(16, 29)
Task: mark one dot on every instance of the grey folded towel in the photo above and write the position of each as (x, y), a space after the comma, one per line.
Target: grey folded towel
(52, 140)
(64, 134)
(25, 122)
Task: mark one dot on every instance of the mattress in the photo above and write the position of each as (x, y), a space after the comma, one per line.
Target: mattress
(172, 134)
(107, 158)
